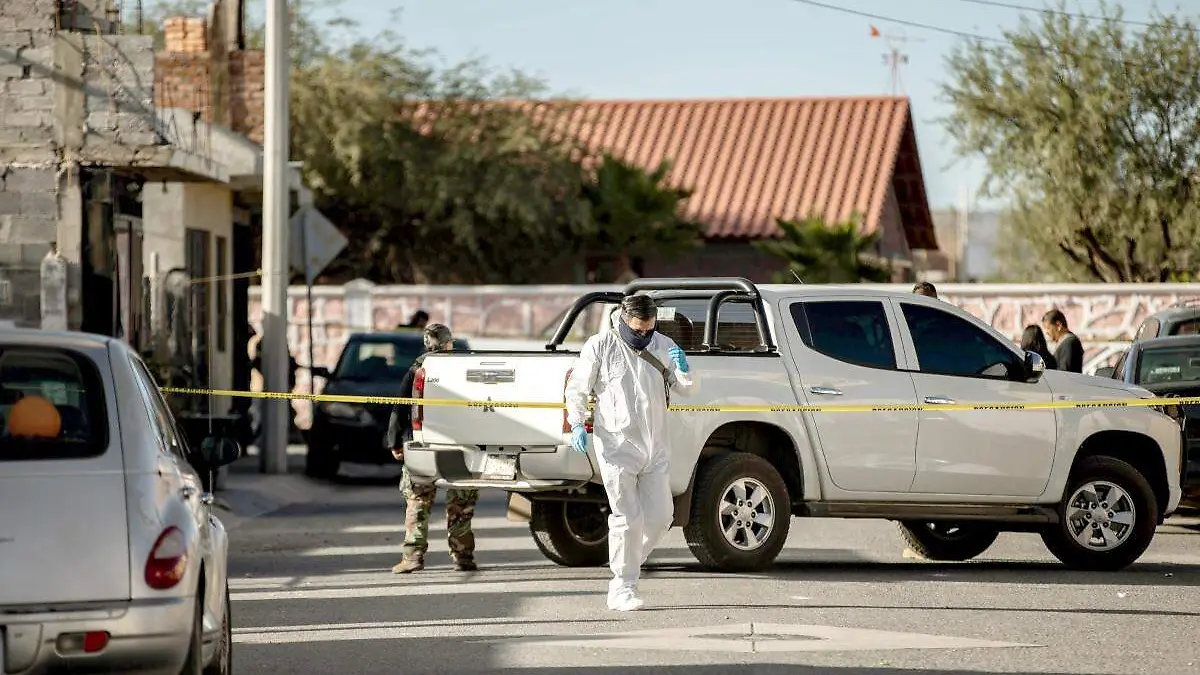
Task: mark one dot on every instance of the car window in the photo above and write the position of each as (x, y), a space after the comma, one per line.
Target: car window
(161, 420)
(854, 331)
(1148, 329)
(683, 320)
(1119, 366)
(1168, 364)
(950, 345)
(51, 405)
(1189, 327)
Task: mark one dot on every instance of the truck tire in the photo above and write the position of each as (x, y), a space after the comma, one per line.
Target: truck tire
(741, 513)
(1113, 531)
(947, 541)
(571, 534)
(319, 460)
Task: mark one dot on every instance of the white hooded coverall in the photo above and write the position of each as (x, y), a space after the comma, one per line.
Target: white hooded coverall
(630, 442)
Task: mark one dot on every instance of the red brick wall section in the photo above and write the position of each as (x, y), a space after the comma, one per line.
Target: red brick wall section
(182, 80)
(247, 84)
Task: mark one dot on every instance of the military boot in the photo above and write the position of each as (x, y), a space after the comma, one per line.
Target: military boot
(414, 564)
(465, 565)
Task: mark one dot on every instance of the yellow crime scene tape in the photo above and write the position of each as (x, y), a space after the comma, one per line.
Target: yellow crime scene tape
(724, 407)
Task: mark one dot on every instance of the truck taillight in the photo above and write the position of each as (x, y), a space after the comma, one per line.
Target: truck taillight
(168, 560)
(566, 427)
(418, 417)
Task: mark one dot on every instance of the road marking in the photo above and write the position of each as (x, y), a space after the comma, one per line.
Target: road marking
(768, 637)
(595, 586)
(741, 638)
(396, 630)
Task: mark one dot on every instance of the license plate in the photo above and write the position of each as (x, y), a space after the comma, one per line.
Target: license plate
(499, 467)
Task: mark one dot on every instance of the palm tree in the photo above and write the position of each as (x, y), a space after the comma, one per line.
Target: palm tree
(825, 253)
(633, 212)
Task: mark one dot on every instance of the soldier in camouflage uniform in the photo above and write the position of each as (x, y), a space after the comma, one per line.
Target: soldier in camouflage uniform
(460, 504)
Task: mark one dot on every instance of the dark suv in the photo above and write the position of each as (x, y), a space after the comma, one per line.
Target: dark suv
(1179, 319)
(371, 364)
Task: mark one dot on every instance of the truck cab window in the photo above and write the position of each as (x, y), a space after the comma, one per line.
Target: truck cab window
(854, 331)
(948, 345)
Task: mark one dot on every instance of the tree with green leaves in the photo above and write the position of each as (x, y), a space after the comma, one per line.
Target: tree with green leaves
(819, 252)
(1092, 129)
(632, 212)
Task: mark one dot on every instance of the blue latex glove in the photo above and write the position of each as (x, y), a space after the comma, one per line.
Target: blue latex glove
(579, 438)
(680, 359)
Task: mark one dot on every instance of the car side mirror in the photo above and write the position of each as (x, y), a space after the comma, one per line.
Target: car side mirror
(321, 371)
(1106, 371)
(1034, 366)
(218, 451)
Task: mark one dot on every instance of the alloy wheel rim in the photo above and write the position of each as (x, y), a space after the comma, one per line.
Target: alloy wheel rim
(1100, 515)
(747, 514)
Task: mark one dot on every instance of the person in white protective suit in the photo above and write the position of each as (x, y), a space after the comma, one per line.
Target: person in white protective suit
(629, 369)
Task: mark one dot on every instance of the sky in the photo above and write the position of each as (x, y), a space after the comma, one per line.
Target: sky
(638, 49)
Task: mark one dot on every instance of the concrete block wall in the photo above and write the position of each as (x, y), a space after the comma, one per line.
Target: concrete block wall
(118, 78)
(28, 155)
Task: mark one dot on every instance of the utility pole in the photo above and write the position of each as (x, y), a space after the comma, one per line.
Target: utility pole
(274, 345)
(894, 58)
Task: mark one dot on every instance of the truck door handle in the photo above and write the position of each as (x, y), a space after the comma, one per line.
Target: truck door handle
(825, 391)
(939, 400)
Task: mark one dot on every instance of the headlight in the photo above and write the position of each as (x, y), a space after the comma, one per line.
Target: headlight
(339, 409)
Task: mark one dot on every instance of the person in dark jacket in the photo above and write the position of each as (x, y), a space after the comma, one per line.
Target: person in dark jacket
(460, 504)
(1034, 340)
(1070, 350)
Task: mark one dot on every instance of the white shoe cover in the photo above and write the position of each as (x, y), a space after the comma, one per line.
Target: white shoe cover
(625, 601)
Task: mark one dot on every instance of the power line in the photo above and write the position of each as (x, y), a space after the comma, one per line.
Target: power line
(959, 33)
(902, 22)
(1060, 12)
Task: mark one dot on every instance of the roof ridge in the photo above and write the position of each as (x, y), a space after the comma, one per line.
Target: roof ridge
(715, 99)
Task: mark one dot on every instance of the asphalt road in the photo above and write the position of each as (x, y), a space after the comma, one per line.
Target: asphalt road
(312, 593)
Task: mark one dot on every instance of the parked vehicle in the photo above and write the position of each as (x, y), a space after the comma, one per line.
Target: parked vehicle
(371, 364)
(1093, 482)
(110, 559)
(1169, 367)
(1179, 319)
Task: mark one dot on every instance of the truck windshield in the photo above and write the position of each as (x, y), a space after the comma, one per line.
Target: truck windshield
(1169, 364)
(365, 360)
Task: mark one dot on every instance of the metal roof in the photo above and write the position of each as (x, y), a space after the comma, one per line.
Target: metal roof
(749, 161)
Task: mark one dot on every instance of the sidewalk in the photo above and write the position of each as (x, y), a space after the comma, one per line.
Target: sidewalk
(246, 493)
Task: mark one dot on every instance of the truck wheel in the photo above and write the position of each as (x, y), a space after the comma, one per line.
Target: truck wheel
(741, 513)
(947, 541)
(571, 534)
(1108, 517)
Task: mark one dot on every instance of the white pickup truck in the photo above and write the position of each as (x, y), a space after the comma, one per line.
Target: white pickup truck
(1093, 481)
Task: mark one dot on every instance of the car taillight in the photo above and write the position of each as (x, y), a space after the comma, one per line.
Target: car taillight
(168, 559)
(418, 416)
(566, 427)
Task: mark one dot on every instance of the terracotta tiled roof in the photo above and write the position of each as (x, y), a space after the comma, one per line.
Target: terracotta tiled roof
(749, 161)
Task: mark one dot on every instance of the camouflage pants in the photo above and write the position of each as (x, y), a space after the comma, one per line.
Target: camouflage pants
(460, 508)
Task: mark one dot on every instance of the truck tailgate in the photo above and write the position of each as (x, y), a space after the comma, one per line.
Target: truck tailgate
(534, 377)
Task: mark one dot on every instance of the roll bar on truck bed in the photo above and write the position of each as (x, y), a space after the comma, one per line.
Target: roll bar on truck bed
(719, 290)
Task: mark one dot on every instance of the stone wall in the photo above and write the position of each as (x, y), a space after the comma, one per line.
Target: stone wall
(1103, 315)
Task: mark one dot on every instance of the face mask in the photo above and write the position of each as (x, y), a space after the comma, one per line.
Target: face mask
(632, 338)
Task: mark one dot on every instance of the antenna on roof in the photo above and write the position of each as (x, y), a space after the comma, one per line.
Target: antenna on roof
(795, 275)
(895, 58)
